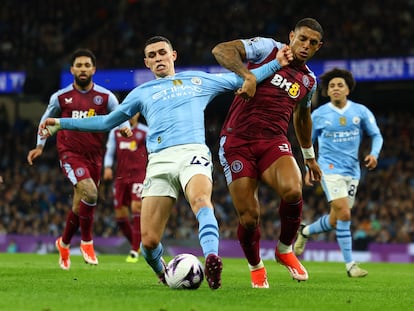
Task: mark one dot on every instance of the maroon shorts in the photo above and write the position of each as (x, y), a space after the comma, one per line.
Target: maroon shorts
(78, 167)
(125, 192)
(250, 158)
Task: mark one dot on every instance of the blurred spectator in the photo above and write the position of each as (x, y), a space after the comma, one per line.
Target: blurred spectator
(12, 247)
(39, 32)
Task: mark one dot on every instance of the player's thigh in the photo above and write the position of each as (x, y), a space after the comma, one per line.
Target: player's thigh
(284, 176)
(198, 191)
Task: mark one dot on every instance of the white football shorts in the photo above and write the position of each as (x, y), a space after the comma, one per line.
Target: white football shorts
(338, 186)
(169, 170)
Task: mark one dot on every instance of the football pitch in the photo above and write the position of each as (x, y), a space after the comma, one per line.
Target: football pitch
(35, 282)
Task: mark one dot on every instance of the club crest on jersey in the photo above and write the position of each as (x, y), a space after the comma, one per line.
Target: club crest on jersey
(196, 81)
(98, 100)
(305, 81)
(236, 166)
(79, 172)
(342, 121)
(356, 120)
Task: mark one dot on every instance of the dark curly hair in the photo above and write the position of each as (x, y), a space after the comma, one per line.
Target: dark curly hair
(83, 52)
(326, 77)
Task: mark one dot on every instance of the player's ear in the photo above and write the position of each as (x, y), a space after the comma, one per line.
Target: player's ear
(174, 55)
(146, 63)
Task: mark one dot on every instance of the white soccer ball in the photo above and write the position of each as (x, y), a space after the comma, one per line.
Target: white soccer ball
(184, 271)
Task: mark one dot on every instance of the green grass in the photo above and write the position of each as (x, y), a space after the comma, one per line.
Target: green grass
(35, 282)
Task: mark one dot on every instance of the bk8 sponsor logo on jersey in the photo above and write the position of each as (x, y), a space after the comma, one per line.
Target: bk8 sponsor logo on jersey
(292, 88)
(76, 114)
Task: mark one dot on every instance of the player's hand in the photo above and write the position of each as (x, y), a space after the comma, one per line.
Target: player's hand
(248, 88)
(126, 132)
(284, 56)
(313, 173)
(49, 127)
(33, 154)
(370, 162)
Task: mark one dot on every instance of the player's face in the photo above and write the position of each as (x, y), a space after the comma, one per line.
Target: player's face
(82, 70)
(338, 91)
(304, 43)
(160, 58)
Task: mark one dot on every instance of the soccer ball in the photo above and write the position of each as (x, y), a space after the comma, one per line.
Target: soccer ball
(184, 271)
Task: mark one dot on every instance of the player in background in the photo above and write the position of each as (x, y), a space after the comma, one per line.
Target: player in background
(339, 127)
(80, 154)
(128, 156)
(254, 146)
(179, 160)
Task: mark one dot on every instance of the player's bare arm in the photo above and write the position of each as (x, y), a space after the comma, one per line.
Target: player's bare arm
(232, 55)
(302, 122)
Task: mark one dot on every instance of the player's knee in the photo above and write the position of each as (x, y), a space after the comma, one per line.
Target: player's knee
(91, 197)
(292, 195)
(200, 201)
(249, 219)
(88, 191)
(149, 241)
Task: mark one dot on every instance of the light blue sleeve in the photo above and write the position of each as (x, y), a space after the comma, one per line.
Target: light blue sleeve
(232, 81)
(266, 70)
(113, 104)
(372, 130)
(105, 123)
(101, 123)
(316, 131)
(110, 149)
(258, 48)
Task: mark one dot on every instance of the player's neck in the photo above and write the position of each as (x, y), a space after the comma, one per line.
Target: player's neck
(340, 103)
(83, 88)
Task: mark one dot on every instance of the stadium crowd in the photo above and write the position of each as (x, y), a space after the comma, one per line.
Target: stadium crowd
(34, 199)
(35, 36)
(38, 40)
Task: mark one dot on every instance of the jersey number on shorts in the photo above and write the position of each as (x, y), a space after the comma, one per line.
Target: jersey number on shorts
(200, 160)
(284, 148)
(351, 190)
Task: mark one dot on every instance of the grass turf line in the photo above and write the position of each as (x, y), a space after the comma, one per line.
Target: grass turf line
(35, 282)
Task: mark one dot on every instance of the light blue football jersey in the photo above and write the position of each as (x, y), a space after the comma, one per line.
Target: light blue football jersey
(339, 133)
